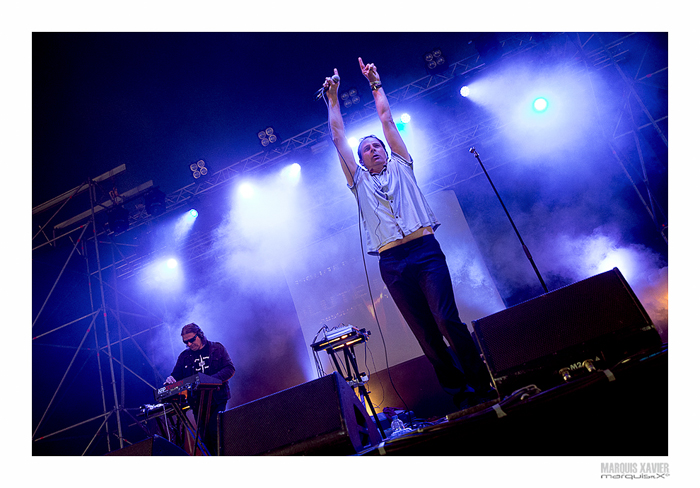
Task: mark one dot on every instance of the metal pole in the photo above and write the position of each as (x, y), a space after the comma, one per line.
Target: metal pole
(72, 426)
(104, 315)
(64, 375)
(41, 229)
(104, 423)
(122, 400)
(59, 277)
(99, 360)
(527, 251)
(64, 325)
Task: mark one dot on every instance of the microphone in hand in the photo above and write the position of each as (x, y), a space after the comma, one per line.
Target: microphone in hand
(324, 89)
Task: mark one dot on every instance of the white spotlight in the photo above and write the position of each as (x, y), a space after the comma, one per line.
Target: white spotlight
(172, 263)
(291, 173)
(354, 142)
(540, 104)
(246, 190)
(184, 224)
(405, 118)
(464, 91)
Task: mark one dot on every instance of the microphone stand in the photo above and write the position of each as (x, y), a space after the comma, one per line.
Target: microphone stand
(527, 252)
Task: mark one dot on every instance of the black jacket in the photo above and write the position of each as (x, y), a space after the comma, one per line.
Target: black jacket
(212, 360)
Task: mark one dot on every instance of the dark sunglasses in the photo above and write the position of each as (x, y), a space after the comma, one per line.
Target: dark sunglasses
(188, 341)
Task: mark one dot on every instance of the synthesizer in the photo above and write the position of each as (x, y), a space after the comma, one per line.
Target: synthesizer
(191, 383)
(341, 338)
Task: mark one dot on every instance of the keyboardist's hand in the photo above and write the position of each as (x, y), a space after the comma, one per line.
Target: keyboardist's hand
(169, 380)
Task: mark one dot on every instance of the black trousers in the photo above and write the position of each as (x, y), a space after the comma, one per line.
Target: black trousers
(418, 279)
(208, 432)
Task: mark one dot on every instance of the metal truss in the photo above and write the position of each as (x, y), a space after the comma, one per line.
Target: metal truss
(612, 55)
(101, 312)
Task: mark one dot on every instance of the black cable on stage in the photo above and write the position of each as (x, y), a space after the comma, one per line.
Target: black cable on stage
(368, 349)
(364, 262)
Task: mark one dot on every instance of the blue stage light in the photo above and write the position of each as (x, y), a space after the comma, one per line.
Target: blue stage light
(193, 213)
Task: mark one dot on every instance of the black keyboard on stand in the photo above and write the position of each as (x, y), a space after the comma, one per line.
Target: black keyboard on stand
(197, 382)
(191, 383)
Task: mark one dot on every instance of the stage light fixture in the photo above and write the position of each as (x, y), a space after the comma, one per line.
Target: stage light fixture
(435, 61)
(118, 219)
(540, 104)
(464, 91)
(403, 121)
(193, 213)
(155, 202)
(268, 137)
(291, 173)
(350, 98)
(171, 263)
(199, 169)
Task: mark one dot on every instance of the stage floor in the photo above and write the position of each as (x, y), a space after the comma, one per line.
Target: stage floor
(622, 411)
(619, 412)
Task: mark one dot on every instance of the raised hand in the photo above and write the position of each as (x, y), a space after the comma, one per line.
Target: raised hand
(332, 83)
(369, 71)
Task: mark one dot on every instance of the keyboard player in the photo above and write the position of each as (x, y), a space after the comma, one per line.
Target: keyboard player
(210, 358)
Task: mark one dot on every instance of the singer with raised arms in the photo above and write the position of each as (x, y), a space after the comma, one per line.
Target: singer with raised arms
(399, 227)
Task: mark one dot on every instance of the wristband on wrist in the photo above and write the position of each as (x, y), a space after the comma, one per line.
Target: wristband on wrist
(376, 85)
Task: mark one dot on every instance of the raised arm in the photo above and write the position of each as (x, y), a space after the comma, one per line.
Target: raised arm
(335, 119)
(391, 132)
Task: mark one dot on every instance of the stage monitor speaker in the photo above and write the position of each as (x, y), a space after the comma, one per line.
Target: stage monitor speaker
(320, 417)
(594, 323)
(153, 446)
